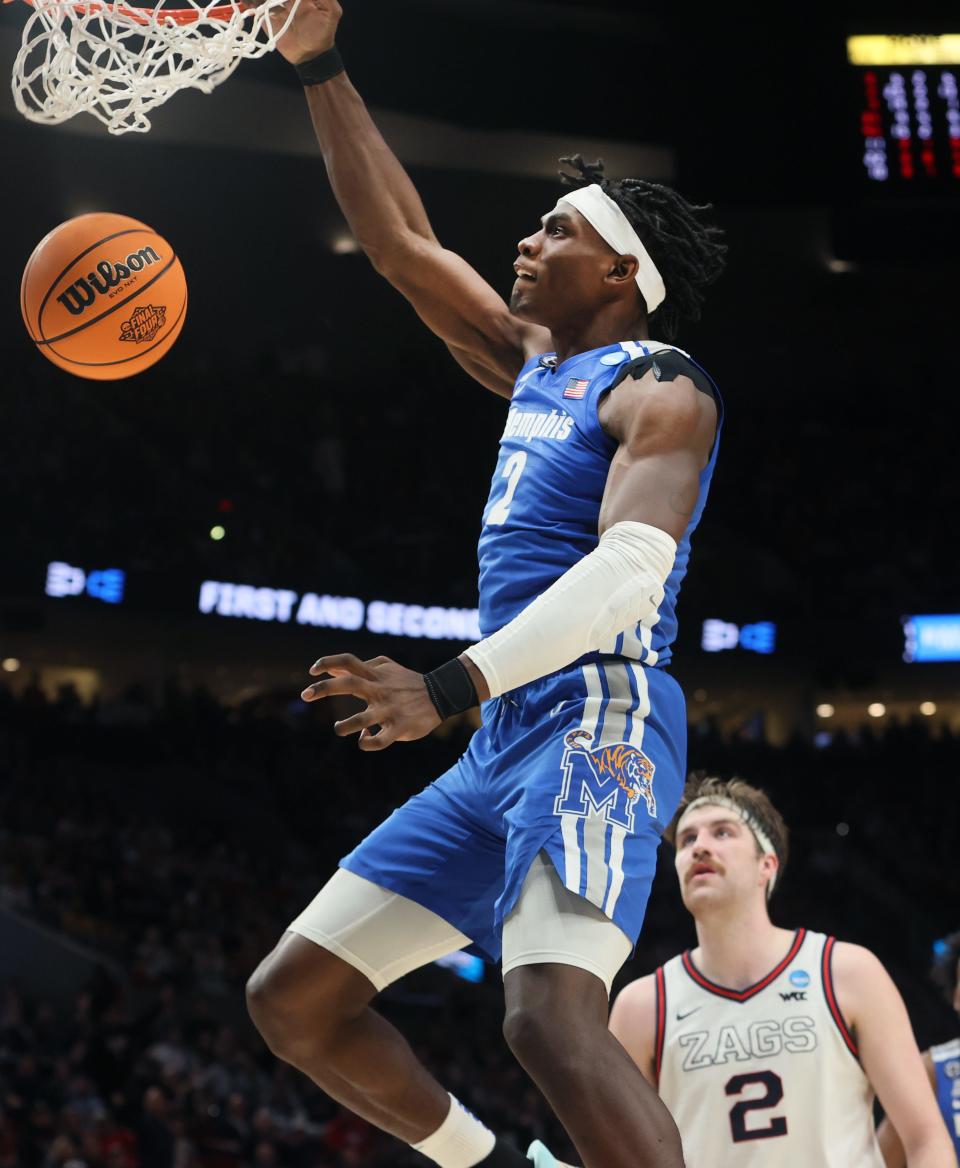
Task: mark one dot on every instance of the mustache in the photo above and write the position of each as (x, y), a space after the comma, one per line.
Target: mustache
(692, 870)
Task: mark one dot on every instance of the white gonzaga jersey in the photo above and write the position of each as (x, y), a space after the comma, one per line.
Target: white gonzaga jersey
(768, 1075)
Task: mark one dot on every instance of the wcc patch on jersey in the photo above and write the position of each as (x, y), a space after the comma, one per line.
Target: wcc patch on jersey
(605, 779)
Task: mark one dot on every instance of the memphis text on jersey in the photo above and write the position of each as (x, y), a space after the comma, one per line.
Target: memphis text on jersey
(531, 424)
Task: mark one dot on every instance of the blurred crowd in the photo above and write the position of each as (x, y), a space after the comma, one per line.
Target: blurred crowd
(315, 467)
(174, 843)
(295, 478)
(168, 842)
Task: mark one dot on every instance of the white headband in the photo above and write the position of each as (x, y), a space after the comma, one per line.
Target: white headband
(610, 223)
(742, 813)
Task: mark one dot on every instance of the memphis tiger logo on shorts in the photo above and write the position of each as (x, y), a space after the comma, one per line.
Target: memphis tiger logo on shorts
(605, 780)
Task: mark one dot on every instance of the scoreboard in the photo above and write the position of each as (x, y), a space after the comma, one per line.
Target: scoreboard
(907, 98)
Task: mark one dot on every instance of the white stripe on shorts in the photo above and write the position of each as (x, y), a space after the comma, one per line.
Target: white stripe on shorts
(571, 851)
(645, 629)
(570, 824)
(618, 833)
(604, 875)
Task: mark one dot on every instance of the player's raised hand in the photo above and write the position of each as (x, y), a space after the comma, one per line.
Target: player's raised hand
(398, 708)
(311, 32)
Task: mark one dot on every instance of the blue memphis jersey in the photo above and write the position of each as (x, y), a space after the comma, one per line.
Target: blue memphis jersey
(946, 1062)
(543, 510)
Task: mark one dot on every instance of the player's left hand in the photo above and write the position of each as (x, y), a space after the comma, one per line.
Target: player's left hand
(398, 708)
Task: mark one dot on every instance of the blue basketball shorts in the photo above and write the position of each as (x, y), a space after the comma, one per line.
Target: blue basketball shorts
(587, 764)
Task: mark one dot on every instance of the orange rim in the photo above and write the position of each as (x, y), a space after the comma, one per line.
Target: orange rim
(137, 14)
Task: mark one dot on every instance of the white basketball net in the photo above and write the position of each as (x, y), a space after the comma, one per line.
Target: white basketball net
(118, 62)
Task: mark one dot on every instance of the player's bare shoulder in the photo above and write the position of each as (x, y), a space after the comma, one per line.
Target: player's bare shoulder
(664, 401)
(633, 1022)
(863, 986)
(852, 965)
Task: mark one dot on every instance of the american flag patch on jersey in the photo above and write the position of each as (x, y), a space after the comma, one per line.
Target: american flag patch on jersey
(576, 387)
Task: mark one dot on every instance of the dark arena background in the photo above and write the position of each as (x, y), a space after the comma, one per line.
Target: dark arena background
(304, 473)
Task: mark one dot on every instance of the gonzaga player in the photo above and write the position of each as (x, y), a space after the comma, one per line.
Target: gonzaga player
(942, 1061)
(539, 845)
(768, 1044)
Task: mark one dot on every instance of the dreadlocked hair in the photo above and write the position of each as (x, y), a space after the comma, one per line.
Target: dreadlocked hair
(689, 253)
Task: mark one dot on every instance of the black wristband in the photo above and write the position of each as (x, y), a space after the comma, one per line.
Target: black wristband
(451, 688)
(320, 69)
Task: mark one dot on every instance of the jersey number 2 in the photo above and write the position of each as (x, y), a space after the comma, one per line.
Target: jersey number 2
(512, 470)
(738, 1113)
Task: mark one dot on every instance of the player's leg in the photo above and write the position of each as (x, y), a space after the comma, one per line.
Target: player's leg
(598, 762)
(422, 885)
(311, 1001)
(560, 955)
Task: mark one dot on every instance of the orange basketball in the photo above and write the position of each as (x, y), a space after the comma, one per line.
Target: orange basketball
(103, 296)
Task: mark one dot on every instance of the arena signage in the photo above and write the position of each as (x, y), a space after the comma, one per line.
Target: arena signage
(320, 610)
(931, 638)
(760, 637)
(67, 580)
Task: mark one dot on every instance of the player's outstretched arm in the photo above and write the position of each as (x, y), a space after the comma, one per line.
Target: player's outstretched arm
(633, 1021)
(874, 1011)
(388, 218)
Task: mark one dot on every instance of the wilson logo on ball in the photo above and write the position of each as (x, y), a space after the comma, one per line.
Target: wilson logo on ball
(78, 297)
(144, 323)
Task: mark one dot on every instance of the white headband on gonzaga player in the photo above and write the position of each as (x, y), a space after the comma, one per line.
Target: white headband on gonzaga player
(749, 820)
(613, 227)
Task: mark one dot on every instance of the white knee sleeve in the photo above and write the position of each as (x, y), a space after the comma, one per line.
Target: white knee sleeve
(549, 923)
(380, 933)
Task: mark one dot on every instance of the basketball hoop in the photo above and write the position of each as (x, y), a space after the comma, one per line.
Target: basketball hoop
(118, 61)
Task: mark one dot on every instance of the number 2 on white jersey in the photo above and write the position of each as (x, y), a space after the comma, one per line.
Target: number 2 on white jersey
(773, 1086)
(512, 470)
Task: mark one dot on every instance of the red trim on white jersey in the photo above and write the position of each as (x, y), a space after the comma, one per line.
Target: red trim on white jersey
(661, 1021)
(826, 974)
(750, 991)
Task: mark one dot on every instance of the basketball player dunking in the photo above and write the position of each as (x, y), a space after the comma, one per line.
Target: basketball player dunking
(942, 1063)
(540, 843)
(768, 1044)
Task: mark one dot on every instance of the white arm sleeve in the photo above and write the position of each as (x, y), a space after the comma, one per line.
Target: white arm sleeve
(619, 583)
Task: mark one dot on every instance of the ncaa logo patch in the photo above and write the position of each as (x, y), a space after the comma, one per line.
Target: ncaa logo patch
(800, 978)
(607, 780)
